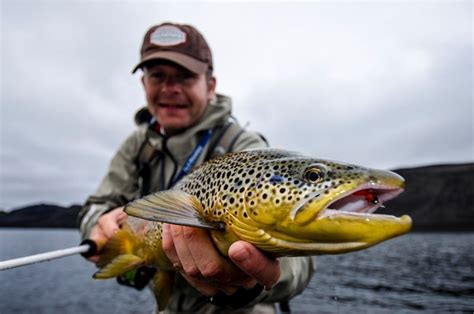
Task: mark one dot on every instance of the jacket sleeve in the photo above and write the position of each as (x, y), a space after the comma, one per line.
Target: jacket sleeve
(119, 186)
(296, 272)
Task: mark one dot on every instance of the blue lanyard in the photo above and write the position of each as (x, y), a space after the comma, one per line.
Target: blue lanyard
(191, 161)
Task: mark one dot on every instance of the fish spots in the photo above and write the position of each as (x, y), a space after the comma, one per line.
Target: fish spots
(275, 179)
(258, 184)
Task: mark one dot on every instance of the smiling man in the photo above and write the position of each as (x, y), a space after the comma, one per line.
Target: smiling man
(176, 97)
(185, 123)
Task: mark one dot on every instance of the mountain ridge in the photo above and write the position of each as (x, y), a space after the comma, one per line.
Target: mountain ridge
(437, 197)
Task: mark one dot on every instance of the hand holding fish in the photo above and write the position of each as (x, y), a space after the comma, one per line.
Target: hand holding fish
(105, 229)
(193, 254)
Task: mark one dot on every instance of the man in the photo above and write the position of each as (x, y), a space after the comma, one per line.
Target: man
(185, 123)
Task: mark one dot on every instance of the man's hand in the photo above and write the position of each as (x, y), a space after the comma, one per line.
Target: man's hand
(193, 254)
(105, 228)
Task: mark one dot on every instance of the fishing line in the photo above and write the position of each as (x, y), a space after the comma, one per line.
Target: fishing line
(335, 298)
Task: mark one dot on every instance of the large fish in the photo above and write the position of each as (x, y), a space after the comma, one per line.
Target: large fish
(282, 202)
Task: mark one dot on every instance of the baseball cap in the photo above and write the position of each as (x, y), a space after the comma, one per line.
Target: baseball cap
(180, 43)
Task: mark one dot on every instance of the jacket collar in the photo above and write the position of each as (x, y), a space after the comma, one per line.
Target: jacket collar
(181, 145)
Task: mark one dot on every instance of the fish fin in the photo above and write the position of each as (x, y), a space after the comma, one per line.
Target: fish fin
(121, 243)
(162, 287)
(121, 264)
(172, 206)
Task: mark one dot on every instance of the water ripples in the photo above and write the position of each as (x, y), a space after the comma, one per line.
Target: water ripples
(425, 272)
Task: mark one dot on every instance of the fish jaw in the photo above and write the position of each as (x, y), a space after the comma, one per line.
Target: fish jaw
(344, 221)
(347, 232)
(384, 185)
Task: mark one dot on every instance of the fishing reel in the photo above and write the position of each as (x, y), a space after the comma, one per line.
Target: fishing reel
(137, 278)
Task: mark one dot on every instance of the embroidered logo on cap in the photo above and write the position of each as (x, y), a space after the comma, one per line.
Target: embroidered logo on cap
(167, 35)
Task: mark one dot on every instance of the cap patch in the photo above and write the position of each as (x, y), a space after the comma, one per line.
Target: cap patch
(167, 35)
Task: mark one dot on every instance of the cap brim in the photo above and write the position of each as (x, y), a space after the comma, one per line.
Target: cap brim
(186, 61)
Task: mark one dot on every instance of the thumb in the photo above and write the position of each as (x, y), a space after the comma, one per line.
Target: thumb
(253, 262)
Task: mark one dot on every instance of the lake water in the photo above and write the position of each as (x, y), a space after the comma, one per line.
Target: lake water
(419, 272)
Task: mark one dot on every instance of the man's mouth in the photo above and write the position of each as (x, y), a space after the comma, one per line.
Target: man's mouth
(173, 106)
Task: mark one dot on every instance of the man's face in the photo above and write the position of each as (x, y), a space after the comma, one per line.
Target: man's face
(176, 97)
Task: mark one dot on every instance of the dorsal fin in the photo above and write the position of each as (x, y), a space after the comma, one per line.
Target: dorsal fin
(172, 206)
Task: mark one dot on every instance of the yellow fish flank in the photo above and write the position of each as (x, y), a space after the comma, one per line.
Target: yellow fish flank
(282, 202)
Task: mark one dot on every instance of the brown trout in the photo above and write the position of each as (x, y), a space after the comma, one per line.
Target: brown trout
(282, 202)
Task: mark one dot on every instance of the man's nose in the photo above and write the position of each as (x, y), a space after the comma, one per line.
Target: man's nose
(171, 84)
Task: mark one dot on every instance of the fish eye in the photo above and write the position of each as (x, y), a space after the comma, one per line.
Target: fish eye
(313, 174)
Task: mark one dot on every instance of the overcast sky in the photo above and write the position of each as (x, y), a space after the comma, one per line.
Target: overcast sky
(384, 84)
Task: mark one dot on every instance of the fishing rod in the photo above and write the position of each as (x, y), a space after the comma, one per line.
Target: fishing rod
(87, 248)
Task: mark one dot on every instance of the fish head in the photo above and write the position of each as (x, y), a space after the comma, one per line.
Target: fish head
(314, 206)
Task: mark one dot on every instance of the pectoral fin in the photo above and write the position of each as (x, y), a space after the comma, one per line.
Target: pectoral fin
(162, 287)
(172, 206)
(121, 264)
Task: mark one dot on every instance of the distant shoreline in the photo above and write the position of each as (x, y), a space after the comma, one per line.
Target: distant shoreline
(457, 229)
(437, 198)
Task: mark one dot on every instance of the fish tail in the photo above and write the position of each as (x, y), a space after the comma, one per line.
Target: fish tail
(120, 265)
(118, 256)
(162, 284)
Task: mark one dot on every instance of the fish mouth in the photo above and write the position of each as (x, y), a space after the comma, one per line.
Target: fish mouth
(346, 223)
(365, 200)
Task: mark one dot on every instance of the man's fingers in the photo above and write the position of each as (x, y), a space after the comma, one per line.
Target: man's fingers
(192, 252)
(210, 263)
(180, 239)
(249, 259)
(100, 239)
(105, 229)
(110, 222)
(121, 217)
(168, 245)
(207, 260)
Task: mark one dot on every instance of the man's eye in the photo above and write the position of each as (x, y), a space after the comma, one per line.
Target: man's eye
(178, 78)
(187, 77)
(157, 75)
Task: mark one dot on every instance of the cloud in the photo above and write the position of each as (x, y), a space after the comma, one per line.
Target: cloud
(380, 84)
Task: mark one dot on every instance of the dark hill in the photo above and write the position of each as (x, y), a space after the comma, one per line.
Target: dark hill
(436, 197)
(41, 215)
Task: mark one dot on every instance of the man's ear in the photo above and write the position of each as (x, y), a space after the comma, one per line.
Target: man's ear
(143, 80)
(211, 88)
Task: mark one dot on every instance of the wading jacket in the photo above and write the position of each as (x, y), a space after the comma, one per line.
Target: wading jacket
(124, 182)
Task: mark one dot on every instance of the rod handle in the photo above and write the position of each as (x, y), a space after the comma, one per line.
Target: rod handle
(92, 248)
